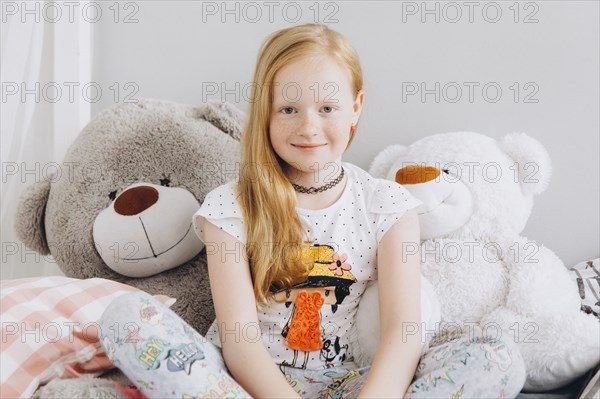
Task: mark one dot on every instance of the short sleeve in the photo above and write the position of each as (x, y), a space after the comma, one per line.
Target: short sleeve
(221, 208)
(389, 202)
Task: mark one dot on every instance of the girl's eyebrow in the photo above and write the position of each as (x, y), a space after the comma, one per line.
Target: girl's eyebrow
(283, 101)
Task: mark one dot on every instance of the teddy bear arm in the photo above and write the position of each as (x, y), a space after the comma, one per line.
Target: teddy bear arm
(539, 282)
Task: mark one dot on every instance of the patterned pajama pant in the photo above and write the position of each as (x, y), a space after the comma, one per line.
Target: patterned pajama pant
(166, 358)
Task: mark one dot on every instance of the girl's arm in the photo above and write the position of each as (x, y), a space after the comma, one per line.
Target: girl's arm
(399, 278)
(245, 355)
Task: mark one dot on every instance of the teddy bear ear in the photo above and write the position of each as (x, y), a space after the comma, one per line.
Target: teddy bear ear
(531, 160)
(224, 116)
(29, 220)
(385, 159)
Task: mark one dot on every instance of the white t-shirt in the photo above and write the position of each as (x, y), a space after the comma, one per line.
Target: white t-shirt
(345, 235)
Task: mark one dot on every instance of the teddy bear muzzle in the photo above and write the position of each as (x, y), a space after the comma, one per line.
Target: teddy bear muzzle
(147, 229)
(447, 201)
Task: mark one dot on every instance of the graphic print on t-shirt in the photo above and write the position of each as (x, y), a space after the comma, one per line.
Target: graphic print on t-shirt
(328, 283)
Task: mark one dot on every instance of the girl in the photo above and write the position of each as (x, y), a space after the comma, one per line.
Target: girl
(295, 241)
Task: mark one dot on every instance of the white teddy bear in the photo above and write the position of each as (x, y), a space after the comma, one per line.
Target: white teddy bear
(477, 195)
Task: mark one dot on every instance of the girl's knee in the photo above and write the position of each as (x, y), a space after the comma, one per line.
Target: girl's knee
(124, 305)
(480, 350)
(475, 365)
(505, 355)
(132, 299)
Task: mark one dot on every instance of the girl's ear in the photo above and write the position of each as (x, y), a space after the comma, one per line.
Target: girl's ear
(224, 116)
(358, 104)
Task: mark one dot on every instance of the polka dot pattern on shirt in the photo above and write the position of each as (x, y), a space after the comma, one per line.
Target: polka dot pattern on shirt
(352, 226)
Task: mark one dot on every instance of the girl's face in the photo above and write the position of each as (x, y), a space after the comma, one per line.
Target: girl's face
(312, 111)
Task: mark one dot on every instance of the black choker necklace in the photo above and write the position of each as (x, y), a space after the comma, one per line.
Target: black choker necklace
(315, 190)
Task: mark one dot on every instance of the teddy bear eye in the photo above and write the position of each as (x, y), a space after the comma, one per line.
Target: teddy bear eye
(165, 182)
(446, 171)
(112, 195)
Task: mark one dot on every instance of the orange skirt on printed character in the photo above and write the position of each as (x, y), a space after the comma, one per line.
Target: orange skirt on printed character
(305, 329)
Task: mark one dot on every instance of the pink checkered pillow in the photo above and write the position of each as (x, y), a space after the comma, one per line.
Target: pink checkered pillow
(50, 322)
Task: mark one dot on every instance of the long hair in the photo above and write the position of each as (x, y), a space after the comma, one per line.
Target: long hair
(273, 229)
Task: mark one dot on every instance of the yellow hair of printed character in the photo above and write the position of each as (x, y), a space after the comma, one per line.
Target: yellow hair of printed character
(322, 258)
(321, 270)
(317, 253)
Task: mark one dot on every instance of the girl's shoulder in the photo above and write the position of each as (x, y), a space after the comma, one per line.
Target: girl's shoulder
(223, 195)
(381, 195)
(223, 199)
(222, 208)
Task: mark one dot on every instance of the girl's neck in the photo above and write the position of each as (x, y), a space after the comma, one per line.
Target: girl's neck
(316, 179)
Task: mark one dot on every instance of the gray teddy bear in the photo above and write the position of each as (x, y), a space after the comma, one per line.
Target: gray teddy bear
(122, 207)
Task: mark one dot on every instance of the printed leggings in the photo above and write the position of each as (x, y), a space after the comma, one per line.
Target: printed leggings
(166, 358)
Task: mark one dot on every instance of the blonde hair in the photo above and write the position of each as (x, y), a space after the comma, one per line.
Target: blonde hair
(273, 229)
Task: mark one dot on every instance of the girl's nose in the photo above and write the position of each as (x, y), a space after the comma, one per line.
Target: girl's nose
(309, 126)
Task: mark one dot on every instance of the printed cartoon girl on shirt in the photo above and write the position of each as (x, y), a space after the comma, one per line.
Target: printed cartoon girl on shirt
(327, 283)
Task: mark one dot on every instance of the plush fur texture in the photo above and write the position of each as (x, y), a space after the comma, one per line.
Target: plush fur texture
(165, 144)
(83, 387)
(483, 270)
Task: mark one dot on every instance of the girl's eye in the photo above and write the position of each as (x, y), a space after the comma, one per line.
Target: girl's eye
(328, 109)
(287, 108)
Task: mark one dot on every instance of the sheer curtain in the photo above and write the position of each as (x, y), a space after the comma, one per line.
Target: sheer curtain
(36, 128)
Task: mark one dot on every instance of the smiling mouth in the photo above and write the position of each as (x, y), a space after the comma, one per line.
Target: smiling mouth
(308, 147)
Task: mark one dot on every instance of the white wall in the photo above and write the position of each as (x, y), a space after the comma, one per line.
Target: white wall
(45, 50)
(172, 50)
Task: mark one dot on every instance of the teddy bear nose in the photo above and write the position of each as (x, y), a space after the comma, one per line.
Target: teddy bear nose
(414, 174)
(136, 200)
